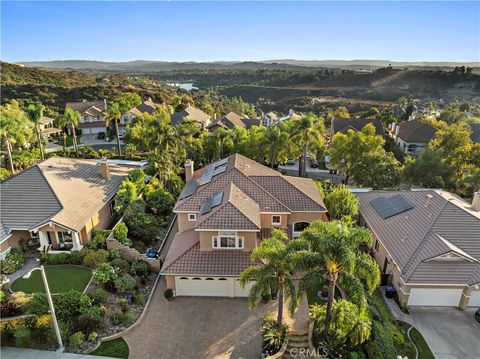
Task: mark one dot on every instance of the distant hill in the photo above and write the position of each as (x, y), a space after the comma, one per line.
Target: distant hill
(287, 64)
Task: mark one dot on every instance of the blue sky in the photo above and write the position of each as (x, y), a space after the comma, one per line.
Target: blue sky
(208, 31)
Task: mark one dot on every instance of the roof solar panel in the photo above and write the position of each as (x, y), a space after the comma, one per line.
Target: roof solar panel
(217, 199)
(387, 207)
(212, 202)
(207, 175)
(219, 169)
(189, 189)
(221, 162)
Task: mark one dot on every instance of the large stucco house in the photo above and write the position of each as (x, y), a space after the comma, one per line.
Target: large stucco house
(191, 113)
(92, 115)
(146, 107)
(59, 202)
(224, 212)
(412, 136)
(427, 244)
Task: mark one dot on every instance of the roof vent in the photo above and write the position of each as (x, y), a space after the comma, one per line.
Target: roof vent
(476, 201)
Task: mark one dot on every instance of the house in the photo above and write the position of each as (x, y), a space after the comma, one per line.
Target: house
(291, 115)
(59, 202)
(47, 128)
(427, 244)
(342, 125)
(232, 120)
(269, 119)
(92, 115)
(191, 113)
(224, 212)
(412, 136)
(147, 106)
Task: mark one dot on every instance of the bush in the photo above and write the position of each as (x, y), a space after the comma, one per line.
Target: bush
(114, 254)
(99, 239)
(273, 336)
(168, 294)
(71, 304)
(121, 232)
(77, 339)
(91, 320)
(104, 273)
(38, 304)
(137, 177)
(141, 225)
(341, 203)
(94, 258)
(13, 261)
(140, 268)
(395, 333)
(123, 304)
(23, 337)
(125, 284)
(87, 152)
(139, 246)
(92, 336)
(125, 195)
(122, 318)
(120, 265)
(98, 296)
(382, 343)
(14, 304)
(159, 200)
(64, 258)
(139, 299)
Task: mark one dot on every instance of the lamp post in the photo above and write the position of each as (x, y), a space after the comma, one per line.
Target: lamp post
(50, 304)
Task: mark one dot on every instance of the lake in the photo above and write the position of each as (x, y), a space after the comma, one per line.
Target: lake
(185, 86)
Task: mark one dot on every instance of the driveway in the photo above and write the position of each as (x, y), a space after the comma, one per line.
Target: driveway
(449, 332)
(197, 327)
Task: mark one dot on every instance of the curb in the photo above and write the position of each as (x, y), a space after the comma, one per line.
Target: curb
(408, 335)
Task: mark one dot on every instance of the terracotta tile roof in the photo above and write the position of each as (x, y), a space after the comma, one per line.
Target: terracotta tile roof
(188, 259)
(423, 240)
(84, 107)
(190, 113)
(416, 131)
(342, 125)
(147, 106)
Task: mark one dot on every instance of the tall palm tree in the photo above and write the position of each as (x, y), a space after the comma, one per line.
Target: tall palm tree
(276, 143)
(71, 119)
(113, 114)
(272, 270)
(330, 254)
(35, 114)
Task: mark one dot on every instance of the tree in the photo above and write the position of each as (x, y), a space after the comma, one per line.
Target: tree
(71, 119)
(377, 170)
(159, 199)
(126, 194)
(35, 114)
(118, 107)
(113, 115)
(427, 170)
(275, 144)
(341, 203)
(348, 149)
(341, 112)
(330, 253)
(272, 272)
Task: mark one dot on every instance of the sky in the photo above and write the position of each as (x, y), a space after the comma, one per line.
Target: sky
(252, 31)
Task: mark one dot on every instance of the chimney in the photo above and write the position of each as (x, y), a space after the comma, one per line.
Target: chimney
(476, 201)
(105, 168)
(188, 170)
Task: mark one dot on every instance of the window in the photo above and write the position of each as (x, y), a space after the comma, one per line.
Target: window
(64, 237)
(33, 234)
(227, 239)
(276, 220)
(192, 217)
(377, 245)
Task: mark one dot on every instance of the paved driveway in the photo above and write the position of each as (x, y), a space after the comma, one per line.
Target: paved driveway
(196, 327)
(449, 332)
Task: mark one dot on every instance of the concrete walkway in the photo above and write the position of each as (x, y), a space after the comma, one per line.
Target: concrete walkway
(30, 263)
(17, 353)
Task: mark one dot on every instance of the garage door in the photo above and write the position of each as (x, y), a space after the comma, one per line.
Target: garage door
(474, 299)
(242, 292)
(204, 286)
(434, 297)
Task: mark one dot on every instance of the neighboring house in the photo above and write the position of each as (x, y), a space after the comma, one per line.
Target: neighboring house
(291, 115)
(47, 128)
(59, 202)
(92, 115)
(191, 113)
(412, 136)
(148, 107)
(342, 125)
(232, 120)
(475, 135)
(269, 119)
(224, 212)
(427, 244)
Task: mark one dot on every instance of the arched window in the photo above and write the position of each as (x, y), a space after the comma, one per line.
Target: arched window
(183, 278)
(196, 278)
(209, 279)
(222, 278)
(298, 228)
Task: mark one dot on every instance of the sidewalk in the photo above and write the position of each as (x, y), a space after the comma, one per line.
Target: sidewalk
(30, 263)
(17, 353)
(395, 309)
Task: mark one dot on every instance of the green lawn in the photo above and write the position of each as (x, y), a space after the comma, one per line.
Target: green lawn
(116, 348)
(61, 278)
(424, 351)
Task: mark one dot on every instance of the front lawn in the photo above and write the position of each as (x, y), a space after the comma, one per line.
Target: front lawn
(424, 351)
(117, 348)
(61, 278)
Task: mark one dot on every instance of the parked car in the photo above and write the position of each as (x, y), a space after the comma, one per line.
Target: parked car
(122, 134)
(290, 162)
(314, 163)
(101, 135)
(477, 315)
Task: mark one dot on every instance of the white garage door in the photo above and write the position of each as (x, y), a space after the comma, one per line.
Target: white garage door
(474, 299)
(203, 286)
(434, 297)
(242, 292)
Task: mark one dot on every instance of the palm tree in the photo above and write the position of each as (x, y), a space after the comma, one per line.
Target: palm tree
(113, 114)
(330, 253)
(275, 143)
(272, 271)
(35, 114)
(70, 118)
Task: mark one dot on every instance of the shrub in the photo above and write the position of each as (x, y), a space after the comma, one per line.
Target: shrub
(13, 261)
(114, 254)
(64, 258)
(120, 265)
(117, 317)
(77, 339)
(141, 225)
(139, 246)
(23, 337)
(395, 333)
(99, 239)
(139, 299)
(126, 194)
(104, 273)
(98, 296)
(69, 305)
(92, 336)
(273, 336)
(38, 304)
(382, 344)
(20, 299)
(168, 294)
(91, 320)
(159, 200)
(94, 258)
(13, 305)
(125, 284)
(123, 304)
(121, 232)
(341, 203)
(87, 152)
(140, 268)
(137, 177)
(122, 318)
(76, 258)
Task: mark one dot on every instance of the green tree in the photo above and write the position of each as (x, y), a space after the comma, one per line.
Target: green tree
(330, 253)
(35, 114)
(113, 115)
(275, 144)
(70, 119)
(377, 170)
(341, 112)
(126, 194)
(272, 272)
(341, 203)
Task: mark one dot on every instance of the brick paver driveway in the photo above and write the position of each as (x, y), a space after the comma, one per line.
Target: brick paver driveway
(197, 327)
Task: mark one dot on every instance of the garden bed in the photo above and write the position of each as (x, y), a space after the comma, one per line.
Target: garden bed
(61, 278)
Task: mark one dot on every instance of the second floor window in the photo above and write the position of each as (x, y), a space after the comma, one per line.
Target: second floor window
(276, 220)
(227, 239)
(192, 217)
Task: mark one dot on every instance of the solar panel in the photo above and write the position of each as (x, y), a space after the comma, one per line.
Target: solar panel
(217, 199)
(212, 202)
(189, 189)
(219, 169)
(387, 207)
(207, 175)
(221, 162)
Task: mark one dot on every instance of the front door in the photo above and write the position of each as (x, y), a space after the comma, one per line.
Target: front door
(385, 265)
